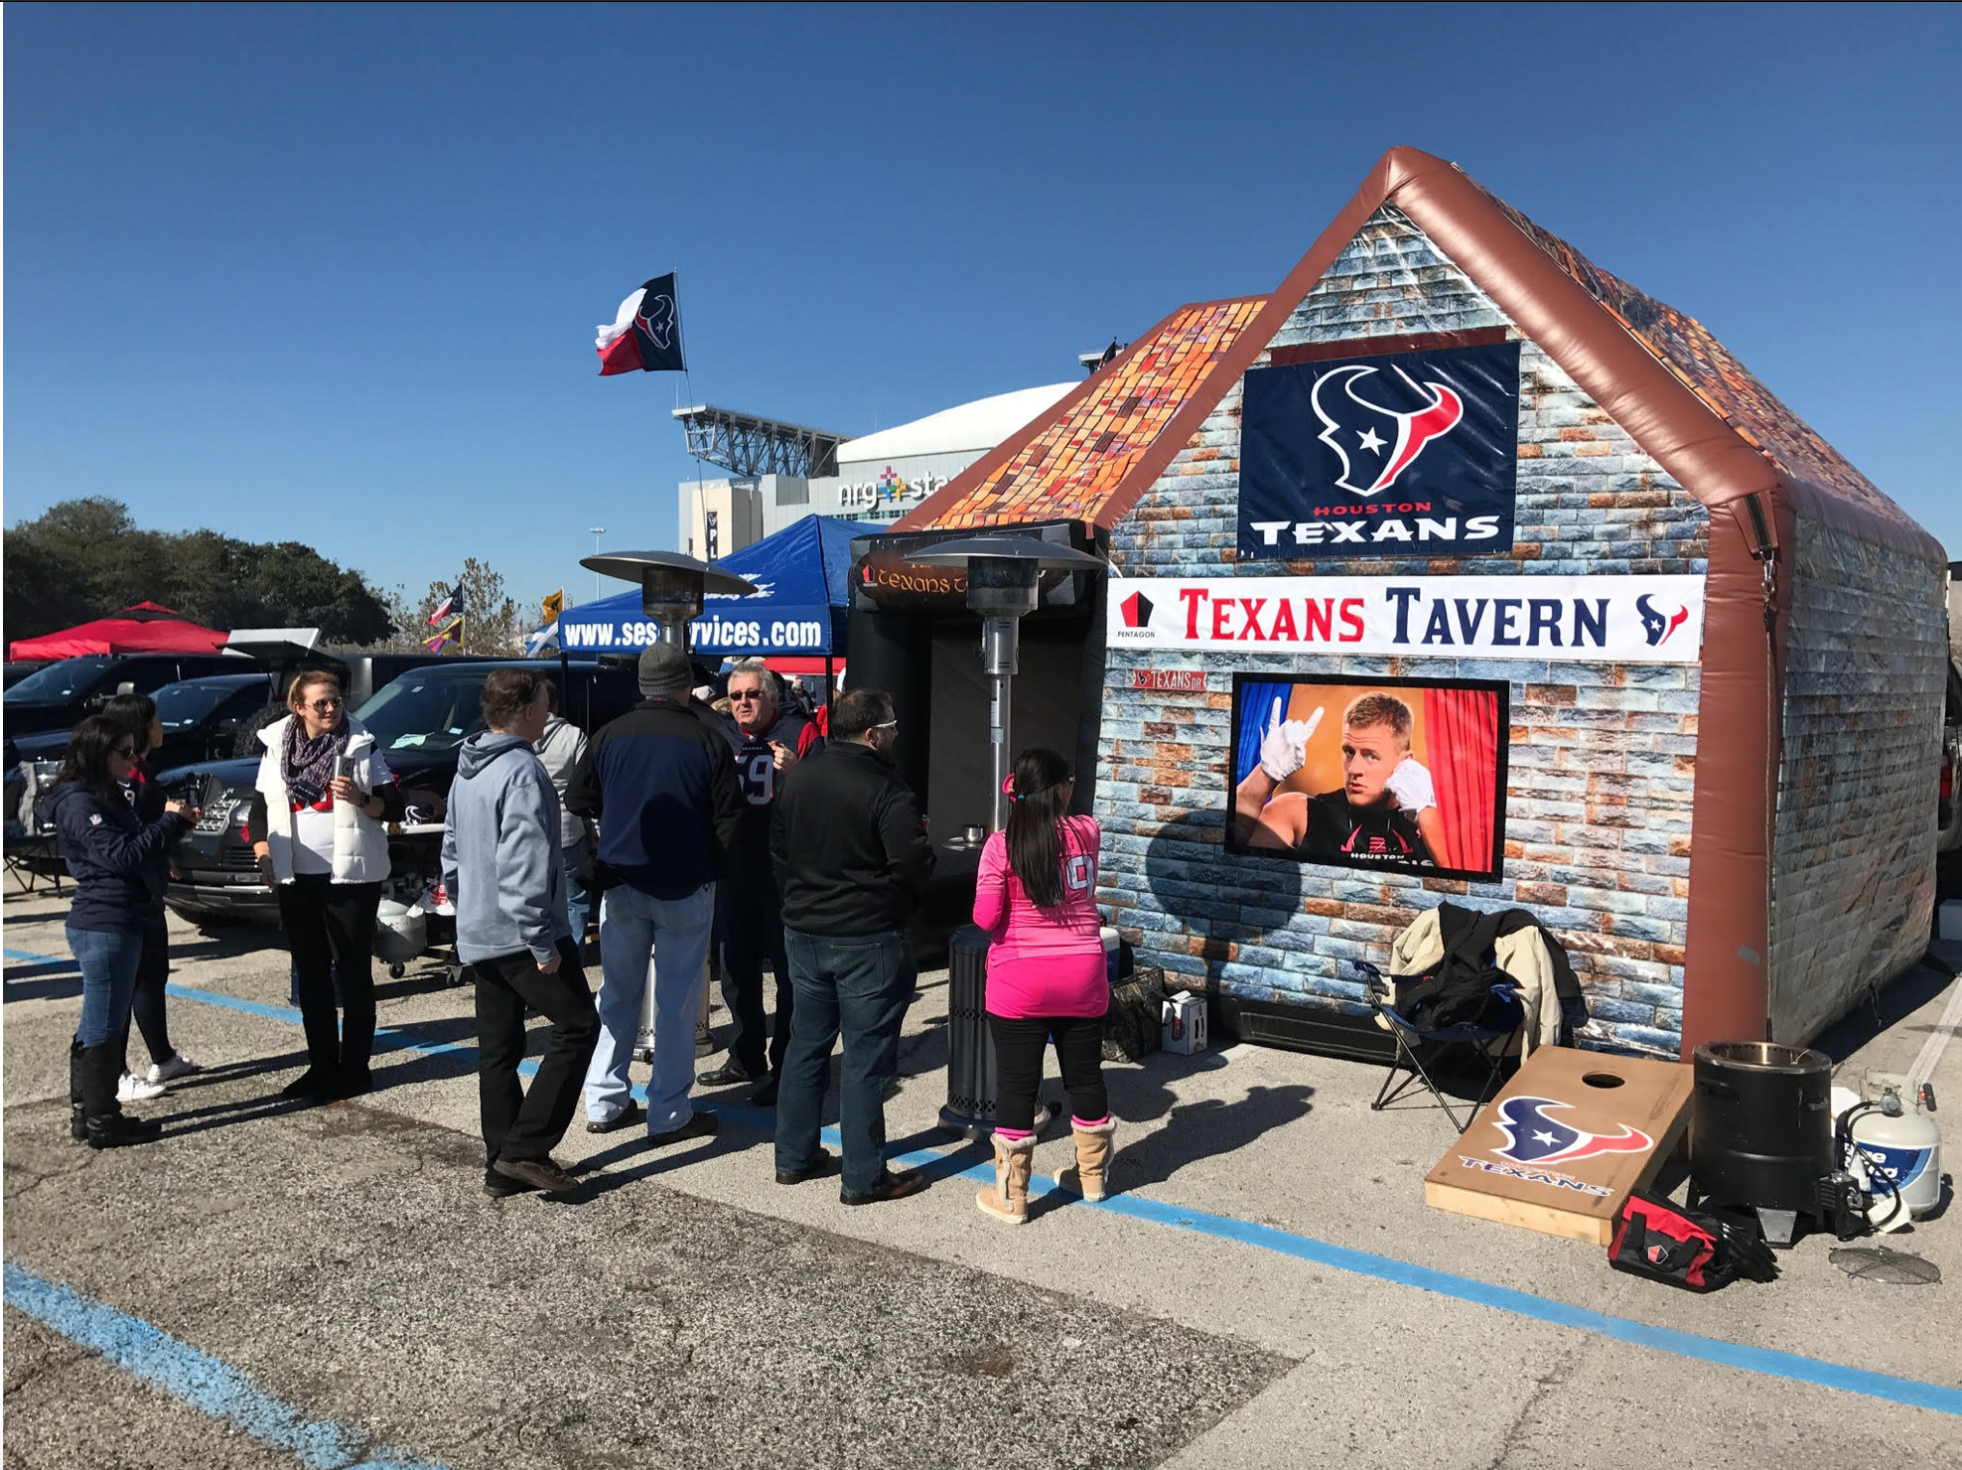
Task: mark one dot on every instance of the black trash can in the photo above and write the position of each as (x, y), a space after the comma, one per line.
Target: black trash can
(970, 1109)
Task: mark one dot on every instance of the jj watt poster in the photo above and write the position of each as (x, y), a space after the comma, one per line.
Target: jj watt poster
(1399, 454)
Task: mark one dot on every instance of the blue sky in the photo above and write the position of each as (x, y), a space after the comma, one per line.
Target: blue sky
(332, 274)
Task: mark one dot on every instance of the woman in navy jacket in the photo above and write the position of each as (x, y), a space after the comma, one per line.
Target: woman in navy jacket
(120, 865)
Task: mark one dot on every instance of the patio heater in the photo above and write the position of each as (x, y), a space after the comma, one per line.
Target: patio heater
(672, 587)
(1002, 573)
(1002, 586)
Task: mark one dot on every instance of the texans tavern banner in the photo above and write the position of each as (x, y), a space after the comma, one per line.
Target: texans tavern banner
(1609, 619)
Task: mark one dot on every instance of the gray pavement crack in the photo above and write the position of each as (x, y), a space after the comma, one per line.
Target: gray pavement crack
(1553, 1378)
(40, 1177)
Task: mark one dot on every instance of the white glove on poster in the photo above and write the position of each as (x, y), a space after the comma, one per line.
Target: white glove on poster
(1411, 785)
(1285, 746)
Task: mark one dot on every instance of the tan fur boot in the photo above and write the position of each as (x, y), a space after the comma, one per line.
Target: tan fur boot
(1093, 1145)
(1008, 1200)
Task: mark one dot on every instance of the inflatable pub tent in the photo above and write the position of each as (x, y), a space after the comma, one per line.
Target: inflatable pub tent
(1456, 569)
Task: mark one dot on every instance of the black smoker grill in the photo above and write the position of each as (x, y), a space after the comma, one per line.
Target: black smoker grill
(1761, 1132)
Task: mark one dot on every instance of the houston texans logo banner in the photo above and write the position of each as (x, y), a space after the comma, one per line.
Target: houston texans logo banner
(1401, 454)
(646, 332)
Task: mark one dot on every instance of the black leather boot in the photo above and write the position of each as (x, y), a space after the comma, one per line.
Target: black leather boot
(78, 1128)
(104, 1120)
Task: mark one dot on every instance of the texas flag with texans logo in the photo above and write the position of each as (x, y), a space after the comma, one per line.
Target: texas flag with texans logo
(646, 332)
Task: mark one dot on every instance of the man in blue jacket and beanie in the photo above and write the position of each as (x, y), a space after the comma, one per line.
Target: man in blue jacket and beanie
(504, 865)
(660, 782)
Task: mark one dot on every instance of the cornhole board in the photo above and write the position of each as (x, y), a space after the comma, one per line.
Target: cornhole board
(1564, 1142)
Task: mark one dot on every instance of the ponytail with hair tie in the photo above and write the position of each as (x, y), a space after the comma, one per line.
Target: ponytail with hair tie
(1035, 849)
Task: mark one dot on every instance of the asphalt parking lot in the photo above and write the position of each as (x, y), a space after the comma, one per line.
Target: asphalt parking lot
(270, 1285)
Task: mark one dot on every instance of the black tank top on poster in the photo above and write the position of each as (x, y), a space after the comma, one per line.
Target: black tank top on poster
(1360, 834)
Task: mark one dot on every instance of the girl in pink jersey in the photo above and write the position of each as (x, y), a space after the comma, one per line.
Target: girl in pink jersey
(1037, 897)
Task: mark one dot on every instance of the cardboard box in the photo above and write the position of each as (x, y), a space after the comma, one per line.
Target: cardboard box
(1184, 1029)
(1564, 1142)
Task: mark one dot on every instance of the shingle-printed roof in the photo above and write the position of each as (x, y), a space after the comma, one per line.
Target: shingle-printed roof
(1665, 379)
(1706, 367)
(1069, 464)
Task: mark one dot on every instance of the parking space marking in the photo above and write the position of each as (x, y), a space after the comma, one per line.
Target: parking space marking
(1767, 1362)
(205, 1383)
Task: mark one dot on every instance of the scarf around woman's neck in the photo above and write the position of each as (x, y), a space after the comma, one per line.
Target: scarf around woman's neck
(307, 766)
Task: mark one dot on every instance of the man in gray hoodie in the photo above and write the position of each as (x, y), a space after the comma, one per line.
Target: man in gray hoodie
(504, 866)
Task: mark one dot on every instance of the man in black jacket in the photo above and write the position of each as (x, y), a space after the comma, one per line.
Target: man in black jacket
(661, 785)
(851, 855)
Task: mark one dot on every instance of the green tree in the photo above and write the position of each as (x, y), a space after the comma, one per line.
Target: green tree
(87, 558)
(490, 618)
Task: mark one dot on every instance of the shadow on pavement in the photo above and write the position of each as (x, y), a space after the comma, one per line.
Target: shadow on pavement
(657, 1161)
(1886, 1008)
(58, 981)
(1204, 1129)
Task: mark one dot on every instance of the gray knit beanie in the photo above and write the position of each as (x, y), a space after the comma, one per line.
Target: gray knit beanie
(665, 672)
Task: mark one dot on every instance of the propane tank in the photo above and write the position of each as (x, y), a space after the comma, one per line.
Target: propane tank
(1890, 1142)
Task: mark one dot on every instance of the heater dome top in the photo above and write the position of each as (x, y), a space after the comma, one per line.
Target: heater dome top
(1047, 555)
(632, 566)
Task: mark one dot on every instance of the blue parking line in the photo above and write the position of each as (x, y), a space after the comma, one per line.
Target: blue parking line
(205, 1383)
(1765, 1361)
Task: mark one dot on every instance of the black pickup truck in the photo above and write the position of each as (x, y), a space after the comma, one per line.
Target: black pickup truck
(419, 720)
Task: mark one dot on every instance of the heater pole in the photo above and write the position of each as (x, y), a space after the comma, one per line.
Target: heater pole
(998, 657)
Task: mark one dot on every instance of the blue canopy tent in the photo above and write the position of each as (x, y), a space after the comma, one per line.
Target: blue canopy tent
(800, 609)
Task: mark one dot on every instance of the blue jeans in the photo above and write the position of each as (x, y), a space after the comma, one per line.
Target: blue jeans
(108, 959)
(858, 985)
(676, 931)
(578, 901)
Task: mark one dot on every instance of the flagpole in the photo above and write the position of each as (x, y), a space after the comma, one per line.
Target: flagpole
(565, 685)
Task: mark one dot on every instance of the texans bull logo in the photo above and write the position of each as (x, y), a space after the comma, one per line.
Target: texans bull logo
(1657, 626)
(1348, 415)
(656, 318)
(1534, 1137)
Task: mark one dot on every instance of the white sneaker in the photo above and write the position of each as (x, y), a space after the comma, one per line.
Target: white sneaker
(138, 1089)
(179, 1065)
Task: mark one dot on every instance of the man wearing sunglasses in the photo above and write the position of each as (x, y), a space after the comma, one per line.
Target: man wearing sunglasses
(768, 741)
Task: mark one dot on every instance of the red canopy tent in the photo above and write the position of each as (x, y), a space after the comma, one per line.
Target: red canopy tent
(144, 628)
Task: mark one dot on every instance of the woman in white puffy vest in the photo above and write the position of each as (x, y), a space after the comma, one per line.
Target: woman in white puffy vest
(327, 793)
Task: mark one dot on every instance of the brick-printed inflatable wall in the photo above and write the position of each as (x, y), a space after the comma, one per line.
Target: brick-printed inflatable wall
(1602, 756)
(1853, 855)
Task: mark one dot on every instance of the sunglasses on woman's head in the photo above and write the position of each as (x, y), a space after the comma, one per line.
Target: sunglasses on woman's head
(321, 706)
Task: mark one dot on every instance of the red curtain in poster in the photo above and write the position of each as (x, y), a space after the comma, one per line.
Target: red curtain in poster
(1461, 734)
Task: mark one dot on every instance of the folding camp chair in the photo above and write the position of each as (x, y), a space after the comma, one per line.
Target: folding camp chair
(1485, 1038)
(34, 861)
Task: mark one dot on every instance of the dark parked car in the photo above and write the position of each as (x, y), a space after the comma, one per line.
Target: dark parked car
(200, 717)
(60, 696)
(419, 720)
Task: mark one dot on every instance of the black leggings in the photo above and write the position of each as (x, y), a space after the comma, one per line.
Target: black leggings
(1018, 1067)
(147, 1005)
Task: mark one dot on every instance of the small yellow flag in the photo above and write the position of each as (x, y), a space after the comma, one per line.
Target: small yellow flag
(554, 605)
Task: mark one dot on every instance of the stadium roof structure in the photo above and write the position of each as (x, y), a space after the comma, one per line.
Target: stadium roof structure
(982, 424)
(748, 444)
(1658, 372)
